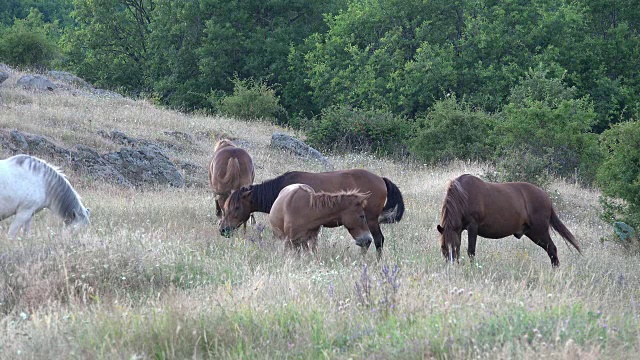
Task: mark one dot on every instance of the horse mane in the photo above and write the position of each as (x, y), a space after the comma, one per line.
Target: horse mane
(64, 198)
(263, 195)
(223, 143)
(455, 202)
(318, 200)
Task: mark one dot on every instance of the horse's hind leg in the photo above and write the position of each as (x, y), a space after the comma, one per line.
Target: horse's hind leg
(472, 235)
(543, 239)
(21, 219)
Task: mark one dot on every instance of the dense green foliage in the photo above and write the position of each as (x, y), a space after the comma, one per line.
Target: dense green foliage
(619, 175)
(453, 130)
(342, 128)
(250, 100)
(526, 85)
(29, 42)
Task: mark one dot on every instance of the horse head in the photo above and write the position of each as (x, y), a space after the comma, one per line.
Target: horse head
(355, 220)
(237, 210)
(78, 217)
(450, 240)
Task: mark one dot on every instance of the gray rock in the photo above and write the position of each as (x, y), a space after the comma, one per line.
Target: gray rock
(35, 82)
(68, 78)
(298, 147)
(3, 76)
(144, 165)
(5, 68)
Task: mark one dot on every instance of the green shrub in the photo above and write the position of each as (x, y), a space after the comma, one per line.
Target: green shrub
(343, 128)
(544, 124)
(27, 43)
(452, 130)
(250, 100)
(619, 176)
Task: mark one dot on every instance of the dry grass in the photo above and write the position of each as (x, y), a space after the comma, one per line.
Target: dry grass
(152, 278)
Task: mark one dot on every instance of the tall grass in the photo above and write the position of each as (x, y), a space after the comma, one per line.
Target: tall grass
(152, 278)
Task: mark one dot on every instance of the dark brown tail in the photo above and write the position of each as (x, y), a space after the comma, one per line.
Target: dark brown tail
(394, 207)
(559, 227)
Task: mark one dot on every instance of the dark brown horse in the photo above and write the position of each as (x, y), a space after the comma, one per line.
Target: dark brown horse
(299, 212)
(497, 210)
(385, 205)
(230, 169)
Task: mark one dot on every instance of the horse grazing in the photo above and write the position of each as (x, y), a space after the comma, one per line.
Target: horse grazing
(298, 213)
(230, 169)
(497, 210)
(385, 205)
(28, 185)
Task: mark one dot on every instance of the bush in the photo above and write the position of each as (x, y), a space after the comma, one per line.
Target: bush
(453, 130)
(343, 128)
(618, 176)
(250, 100)
(546, 125)
(26, 43)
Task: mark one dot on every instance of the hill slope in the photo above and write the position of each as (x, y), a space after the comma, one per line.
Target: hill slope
(152, 278)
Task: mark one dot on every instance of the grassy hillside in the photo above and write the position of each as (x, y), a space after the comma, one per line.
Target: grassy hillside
(152, 278)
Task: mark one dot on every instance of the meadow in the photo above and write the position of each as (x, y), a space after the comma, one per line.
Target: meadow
(151, 277)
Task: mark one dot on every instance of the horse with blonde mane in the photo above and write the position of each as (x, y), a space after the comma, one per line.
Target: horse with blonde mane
(230, 169)
(299, 212)
(497, 210)
(28, 185)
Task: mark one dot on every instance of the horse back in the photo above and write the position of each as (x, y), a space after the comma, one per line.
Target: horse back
(343, 180)
(230, 169)
(503, 208)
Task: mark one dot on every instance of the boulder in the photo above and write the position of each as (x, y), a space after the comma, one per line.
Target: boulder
(298, 147)
(140, 163)
(35, 82)
(3, 76)
(68, 78)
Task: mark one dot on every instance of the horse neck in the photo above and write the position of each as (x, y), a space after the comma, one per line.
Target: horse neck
(61, 197)
(264, 195)
(454, 206)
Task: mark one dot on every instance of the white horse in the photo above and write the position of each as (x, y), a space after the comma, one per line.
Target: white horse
(28, 185)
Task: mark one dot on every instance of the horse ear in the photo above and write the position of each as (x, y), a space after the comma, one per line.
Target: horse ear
(246, 193)
(364, 203)
(440, 229)
(88, 212)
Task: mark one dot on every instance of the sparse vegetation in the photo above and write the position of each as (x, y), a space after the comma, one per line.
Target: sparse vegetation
(152, 278)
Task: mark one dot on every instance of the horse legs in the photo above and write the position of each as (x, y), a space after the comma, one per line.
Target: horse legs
(218, 210)
(22, 219)
(378, 238)
(472, 235)
(543, 239)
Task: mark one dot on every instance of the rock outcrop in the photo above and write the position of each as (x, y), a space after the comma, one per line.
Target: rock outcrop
(138, 163)
(298, 147)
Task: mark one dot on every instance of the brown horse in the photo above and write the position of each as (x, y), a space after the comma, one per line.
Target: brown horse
(385, 205)
(497, 210)
(230, 169)
(298, 213)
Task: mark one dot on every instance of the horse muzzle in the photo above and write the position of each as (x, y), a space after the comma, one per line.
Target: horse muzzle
(226, 231)
(364, 240)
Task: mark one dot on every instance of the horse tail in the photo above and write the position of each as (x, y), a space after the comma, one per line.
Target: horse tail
(233, 172)
(394, 207)
(559, 227)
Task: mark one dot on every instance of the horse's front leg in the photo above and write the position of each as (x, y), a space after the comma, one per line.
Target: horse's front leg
(22, 218)
(378, 238)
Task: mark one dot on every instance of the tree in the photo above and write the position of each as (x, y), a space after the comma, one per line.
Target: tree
(110, 45)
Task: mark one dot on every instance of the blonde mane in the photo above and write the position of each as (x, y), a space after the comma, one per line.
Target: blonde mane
(330, 200)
